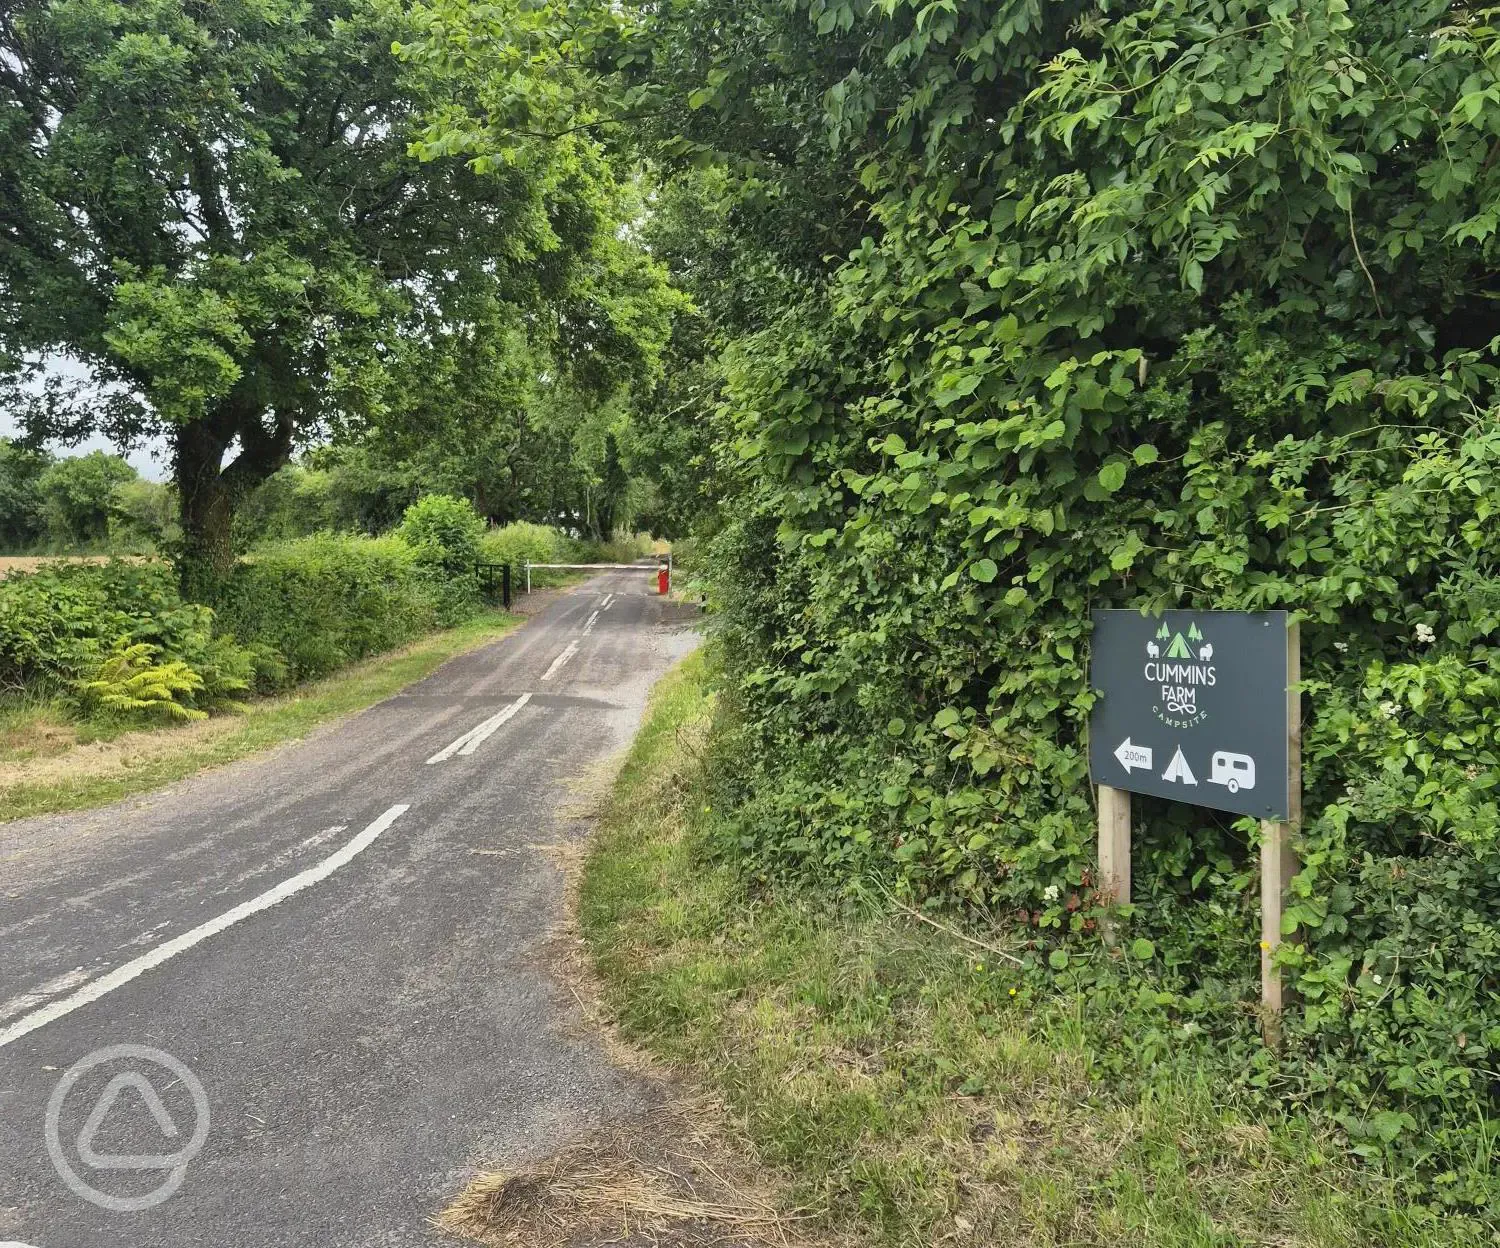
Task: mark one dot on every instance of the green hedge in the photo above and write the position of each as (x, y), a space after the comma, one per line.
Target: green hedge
(60, 626)
(291, 611)
(1182, 305)
(521, 543)
(58, 621)
(322, 602)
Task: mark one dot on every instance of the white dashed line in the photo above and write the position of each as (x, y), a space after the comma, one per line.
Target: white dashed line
(477, 735)
(487, 729)
(561, 659)
(121, 976)
(589, 625)
(608, 598)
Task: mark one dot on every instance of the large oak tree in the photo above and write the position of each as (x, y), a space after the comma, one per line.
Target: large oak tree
(216, 208)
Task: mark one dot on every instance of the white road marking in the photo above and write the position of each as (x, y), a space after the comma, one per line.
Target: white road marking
(472, 739)
(121, 976)
(589, 624)
(608, 598)
(487, 729)
(560, 660)
(28, 1001)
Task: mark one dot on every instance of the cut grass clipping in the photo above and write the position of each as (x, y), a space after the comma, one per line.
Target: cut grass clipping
(47, 766)
(908, 1089)
(659, 1179)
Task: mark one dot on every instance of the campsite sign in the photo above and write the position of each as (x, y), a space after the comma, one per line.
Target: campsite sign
(1192, 706)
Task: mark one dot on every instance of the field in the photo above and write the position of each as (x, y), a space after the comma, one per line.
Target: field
(10, 564)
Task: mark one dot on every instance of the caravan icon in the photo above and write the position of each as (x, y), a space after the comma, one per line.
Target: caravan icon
(1233, 771)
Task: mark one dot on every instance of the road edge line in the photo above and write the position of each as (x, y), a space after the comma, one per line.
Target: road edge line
(164, 952)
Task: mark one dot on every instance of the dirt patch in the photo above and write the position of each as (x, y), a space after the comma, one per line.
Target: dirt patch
(68, 763)
(588, 792)
(661, 1180)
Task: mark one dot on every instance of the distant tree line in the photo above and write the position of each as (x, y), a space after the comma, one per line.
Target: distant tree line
(81, 503)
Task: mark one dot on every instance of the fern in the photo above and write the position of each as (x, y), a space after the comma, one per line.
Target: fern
(130, 682)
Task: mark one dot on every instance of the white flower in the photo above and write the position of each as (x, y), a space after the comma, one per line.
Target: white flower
(1425, 634)
(1051, 892)
(1388, 709)
(1376, 978)
(1341, 646)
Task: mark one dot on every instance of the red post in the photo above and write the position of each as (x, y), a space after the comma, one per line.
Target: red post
(663, 580)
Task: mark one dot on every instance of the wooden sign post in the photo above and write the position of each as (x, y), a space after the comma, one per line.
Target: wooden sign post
(1114, 844)
(1201, 707)
(1278, 860)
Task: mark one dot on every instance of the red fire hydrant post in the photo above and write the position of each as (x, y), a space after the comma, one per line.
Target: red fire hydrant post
(663, 579)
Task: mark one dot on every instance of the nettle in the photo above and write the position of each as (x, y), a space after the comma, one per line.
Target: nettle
(1188, 304)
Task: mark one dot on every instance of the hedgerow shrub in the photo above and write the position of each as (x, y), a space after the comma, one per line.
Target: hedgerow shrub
(322, 602)
(95, 635)
(522, 542)
(59, 622)
(1190, 305)
(443, 531)
(622, 548)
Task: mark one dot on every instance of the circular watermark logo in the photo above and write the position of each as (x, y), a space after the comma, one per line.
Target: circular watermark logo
(130, 1078)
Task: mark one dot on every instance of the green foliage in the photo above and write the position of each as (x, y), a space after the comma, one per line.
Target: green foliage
(230, 216)
(93, 502)
(294, 611)
(132, 682)
(22, 524)
(443, 531)
(521, 543)
(144, 513)
(915, 1089)
(325, 601)
(1180, 305)
(78, 498)
(59, 623)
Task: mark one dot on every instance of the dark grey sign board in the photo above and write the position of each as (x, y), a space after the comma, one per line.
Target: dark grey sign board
(1192, 706)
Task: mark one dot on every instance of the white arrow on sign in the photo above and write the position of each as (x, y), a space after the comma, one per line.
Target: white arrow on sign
(1133, 755)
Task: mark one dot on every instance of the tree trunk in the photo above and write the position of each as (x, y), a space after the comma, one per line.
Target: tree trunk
(207, 510)
(208, 491)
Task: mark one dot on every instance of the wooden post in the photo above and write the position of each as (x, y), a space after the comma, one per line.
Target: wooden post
(1278, 859)
(1114, 844)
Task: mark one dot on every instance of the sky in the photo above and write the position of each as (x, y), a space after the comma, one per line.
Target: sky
(150, 460)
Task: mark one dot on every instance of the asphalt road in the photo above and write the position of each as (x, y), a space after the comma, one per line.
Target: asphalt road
(348, 943)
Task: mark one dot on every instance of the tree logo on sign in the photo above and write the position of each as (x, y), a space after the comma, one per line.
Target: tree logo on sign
(1178, 668)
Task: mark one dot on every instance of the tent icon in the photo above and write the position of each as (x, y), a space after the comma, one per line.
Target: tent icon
(1178, 771)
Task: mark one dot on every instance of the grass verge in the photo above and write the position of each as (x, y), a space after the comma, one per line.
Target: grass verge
(48, 765)
(910, 1091)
